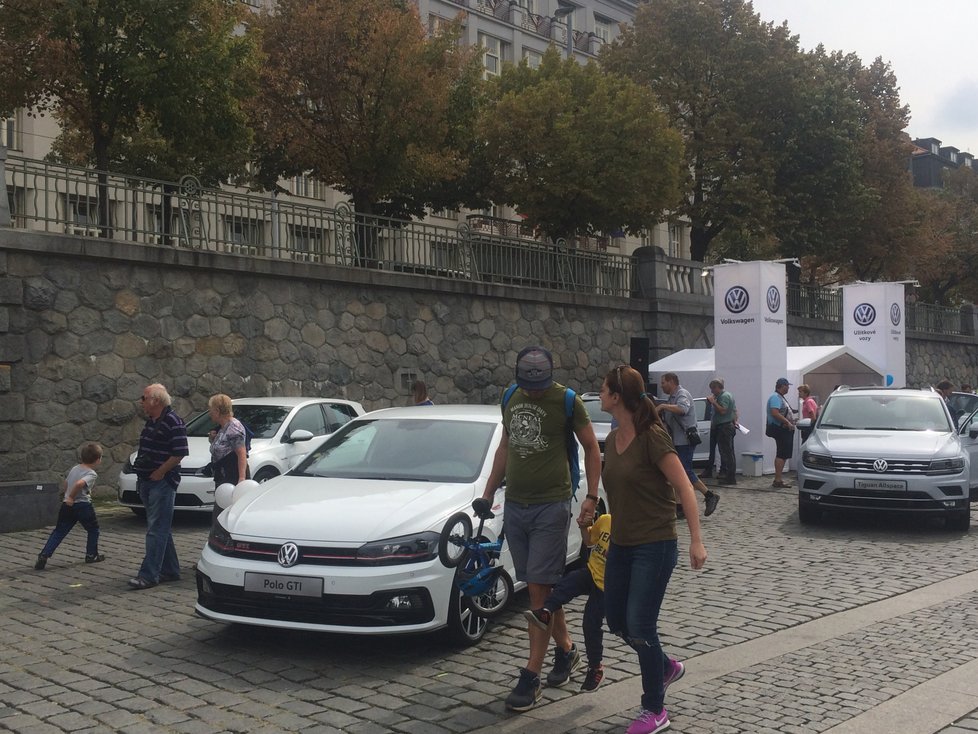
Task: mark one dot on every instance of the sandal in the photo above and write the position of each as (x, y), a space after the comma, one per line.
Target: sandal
(780, 485)
(140, 583)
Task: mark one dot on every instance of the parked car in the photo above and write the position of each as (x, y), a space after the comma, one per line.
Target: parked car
(282, 429)
(963, 404)
(347, 541)
(600, 419)
(888, 449)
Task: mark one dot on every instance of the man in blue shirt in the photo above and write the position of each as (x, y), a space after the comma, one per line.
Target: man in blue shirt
(162, 446)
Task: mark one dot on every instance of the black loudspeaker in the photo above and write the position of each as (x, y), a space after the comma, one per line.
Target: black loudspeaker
(639, 357)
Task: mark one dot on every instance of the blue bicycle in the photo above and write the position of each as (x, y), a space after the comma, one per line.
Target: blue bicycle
(486, 586)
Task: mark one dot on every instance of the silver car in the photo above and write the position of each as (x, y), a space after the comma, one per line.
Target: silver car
(887, 449)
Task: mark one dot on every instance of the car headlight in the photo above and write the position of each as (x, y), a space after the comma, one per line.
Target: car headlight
(406, 549)
(220, 540)
(946, 466)
(127, 467)
(817, 461)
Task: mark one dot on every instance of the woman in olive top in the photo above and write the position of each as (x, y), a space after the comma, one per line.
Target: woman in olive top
(642, 476)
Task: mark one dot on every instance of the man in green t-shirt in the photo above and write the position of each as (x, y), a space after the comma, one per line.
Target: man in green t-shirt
(532, 456)
(724, 423)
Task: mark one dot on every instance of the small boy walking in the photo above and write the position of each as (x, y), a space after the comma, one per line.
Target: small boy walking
(587, 580)
(77, 507)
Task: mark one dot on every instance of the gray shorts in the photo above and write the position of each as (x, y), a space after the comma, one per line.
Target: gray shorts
(537, 539)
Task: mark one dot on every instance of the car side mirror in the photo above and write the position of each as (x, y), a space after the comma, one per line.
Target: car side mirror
(804, 423)
(300, 435)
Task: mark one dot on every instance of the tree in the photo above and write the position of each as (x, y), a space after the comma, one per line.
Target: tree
(146, 87)
(355, 93)
(577, 150)
(724, 77)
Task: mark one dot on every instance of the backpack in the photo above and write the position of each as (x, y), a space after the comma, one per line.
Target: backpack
(573, 458)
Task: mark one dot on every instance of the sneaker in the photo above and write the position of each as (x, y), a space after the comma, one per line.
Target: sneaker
(41, 562)
(676, 671)
(712, 500)
(541, 618)
(527, 692)
(565, 663)
(97, 558)
(593, 678)
(649, 722)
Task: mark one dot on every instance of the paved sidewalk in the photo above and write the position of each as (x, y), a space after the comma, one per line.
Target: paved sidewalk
(845, 627)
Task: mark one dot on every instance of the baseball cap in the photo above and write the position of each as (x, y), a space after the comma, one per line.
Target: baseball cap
(534, 369)
(782, 381)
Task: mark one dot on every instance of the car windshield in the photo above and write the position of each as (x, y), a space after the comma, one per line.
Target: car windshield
(594, 410)
(884, 413)
(403, 449)
(263, 420)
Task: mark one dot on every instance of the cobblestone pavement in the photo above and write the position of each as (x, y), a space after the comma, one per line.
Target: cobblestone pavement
(81, 653)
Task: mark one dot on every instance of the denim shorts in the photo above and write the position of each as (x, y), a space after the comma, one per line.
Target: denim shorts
(537, 539)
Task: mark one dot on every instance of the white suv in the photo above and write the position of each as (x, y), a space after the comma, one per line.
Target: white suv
(282, 430)
(888, 449)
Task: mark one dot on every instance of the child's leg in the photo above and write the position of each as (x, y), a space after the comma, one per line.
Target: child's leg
(568, 588)
(89, 521)
(593, 626)
(66, 521)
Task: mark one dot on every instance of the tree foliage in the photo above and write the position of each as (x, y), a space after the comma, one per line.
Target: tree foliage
(357, 95)
(142, 86)
(577, 150)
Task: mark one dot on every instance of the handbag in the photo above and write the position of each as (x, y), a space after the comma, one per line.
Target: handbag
(693, 436)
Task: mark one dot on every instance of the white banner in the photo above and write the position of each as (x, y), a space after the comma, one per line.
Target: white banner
(751, 335)
(873, 326)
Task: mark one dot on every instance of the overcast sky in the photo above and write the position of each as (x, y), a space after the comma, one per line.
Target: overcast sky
(931, 47)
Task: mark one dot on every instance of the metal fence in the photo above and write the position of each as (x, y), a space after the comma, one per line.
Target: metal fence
(57, 198)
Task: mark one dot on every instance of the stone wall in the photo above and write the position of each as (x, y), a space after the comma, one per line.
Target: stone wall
(86, 324)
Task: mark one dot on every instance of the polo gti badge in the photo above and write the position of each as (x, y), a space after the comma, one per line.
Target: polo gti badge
(288, 555)
(736, 299)
(773, 299)
(864, 314)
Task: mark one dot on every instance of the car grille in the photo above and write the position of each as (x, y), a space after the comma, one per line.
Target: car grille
(882, 499)
(329, 609)
(308, 555)
(893, 466)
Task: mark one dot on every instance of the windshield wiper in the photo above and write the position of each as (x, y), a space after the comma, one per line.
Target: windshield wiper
(832, 425)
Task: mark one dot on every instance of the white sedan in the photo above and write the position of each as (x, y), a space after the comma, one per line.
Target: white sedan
(282, 430)
(348, 540)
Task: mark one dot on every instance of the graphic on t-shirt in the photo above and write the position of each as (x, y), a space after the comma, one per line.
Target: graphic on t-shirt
(525, 429)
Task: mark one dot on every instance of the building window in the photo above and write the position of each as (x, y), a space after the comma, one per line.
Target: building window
(529, 6)
(492, 55)
(308, 187)
(532, 58)
(445, 214)
(306, 243)
(602, 29)
(11, 131)
(244, 234)
(675, 240)
(437, 25)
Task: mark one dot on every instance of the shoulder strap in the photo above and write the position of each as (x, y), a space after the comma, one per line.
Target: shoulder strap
(508, 394)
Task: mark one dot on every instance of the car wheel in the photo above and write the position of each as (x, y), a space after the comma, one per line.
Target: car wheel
(465, 627)
(959, 522)
(265, 474)
(808, 513)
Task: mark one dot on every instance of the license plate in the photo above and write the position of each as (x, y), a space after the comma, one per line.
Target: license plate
(890, 484)
(266, 583)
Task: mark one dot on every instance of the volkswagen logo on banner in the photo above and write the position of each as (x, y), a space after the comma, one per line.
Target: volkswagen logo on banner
(880, 465)
(288, 555)
(864, 314)
(736, 299)
(895, 314)
(773, 299)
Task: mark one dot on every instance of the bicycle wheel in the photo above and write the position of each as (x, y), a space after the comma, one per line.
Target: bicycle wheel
(494, 600)
(454, 537)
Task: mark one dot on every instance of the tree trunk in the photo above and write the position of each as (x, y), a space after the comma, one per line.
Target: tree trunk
(102, 166)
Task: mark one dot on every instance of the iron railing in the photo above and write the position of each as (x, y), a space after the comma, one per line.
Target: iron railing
(934, 319)
(57, 198)
(814, 302)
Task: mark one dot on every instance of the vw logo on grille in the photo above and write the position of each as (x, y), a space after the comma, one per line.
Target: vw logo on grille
(773, 299)
(880, 465)
(288, 555)
(895, 314)
(864, 314)
(736, 299)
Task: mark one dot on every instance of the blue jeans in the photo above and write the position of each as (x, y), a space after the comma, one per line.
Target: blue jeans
(161, 554)
(578, 583)
(686, 458)
(82, 512)
(635, 581)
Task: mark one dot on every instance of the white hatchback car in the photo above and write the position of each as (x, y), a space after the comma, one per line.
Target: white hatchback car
(348, 540)
(282, 430)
